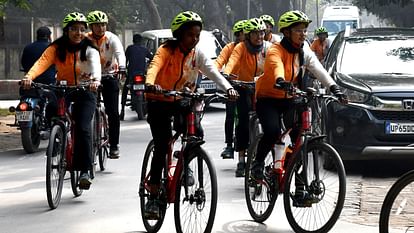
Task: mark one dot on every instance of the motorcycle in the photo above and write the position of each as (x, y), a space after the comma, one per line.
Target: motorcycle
(138, 102)
(30, 118)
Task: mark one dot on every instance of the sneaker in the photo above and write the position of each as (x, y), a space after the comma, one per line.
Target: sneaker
(114, 152)
(228, 153)
(240, 169)
(84, 181)
(190, 178)
(302, 198)
(152, 209)
(256, 171)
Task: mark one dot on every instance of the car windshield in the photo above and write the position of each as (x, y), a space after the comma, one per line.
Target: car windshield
(378, 56)
(335, 26)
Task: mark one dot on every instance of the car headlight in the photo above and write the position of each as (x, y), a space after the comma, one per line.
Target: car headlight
(355, 96)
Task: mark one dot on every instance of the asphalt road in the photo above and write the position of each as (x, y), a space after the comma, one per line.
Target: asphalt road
(112, 203)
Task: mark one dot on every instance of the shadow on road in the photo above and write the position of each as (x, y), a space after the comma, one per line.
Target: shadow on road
(379, 168)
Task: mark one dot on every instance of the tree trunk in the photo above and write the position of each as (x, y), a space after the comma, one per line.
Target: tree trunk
(154, 15)
(214, 15)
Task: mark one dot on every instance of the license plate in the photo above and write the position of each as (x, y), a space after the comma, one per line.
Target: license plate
(399, 128)
(208, 85)
(138, 87)
(24, 115)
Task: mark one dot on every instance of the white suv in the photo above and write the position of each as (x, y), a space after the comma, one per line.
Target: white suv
(152, 39)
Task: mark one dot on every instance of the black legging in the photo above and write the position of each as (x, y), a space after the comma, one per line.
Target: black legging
(229, 121)
(110, 95)
(244, 106)
(83, 110)
(269, 111)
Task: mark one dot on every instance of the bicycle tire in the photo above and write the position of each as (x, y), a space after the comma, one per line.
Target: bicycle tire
(95, 143)
(150, 225)
(394, 215)
(260, 199)
(74, 183)
(103, 141)
(196, 214)
(55, 166)
(327, 195)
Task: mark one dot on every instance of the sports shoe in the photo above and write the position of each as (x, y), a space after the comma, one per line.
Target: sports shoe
(152, 209)
(190, 178)
(256, 171)
(240, 169)
(303, 198)
(114, 152)
(84, 181)
(228, 153)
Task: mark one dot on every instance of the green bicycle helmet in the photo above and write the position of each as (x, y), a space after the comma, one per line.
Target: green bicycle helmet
(97, 17)
(183, 18)
(321, 30)
(239, 25)
(74, 17)
(254, 24)
(291, 17)
(269, 19)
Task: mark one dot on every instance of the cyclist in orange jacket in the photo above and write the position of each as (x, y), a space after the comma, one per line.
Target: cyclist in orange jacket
(113, 62)
(175, 66)
(285, 65)
(221, 61)
(246, 62)
(321, 44)
(77, 61)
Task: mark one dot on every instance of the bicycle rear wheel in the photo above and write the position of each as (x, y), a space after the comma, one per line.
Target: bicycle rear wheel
(196, 212)
(150, 225)
(55, 166)
(74, 183)
(397, 212)
(318, 207)
(260, 196)
(103, 141)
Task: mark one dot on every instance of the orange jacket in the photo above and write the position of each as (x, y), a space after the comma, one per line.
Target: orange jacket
(73, 70)
(173, 71)
(224, 55)
(244, 64)
(280, 63)
(111, 52)
(320, 48)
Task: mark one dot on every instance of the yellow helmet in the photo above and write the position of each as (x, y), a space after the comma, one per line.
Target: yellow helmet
(292, 17)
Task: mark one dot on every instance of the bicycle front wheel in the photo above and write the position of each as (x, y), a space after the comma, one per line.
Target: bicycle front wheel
(317, 207)
(195, 210)
(103, 140)
(260, 196)
(55, 166)
(397, 212)
(151, 225)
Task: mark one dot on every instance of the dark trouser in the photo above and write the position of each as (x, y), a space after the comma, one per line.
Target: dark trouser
(269, 112)
(244, 105)
(125, 90)
(229, 121)
(110, 95)
(83, 110)
(159, 118)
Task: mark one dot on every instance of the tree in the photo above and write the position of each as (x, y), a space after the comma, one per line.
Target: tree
(22, 4)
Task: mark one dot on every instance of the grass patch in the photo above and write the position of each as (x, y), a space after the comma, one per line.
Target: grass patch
(4, 112)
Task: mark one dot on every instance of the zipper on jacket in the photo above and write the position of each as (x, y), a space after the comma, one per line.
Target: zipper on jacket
(74, 68)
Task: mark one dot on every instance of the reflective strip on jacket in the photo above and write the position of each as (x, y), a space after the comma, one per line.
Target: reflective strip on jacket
(280, 63)
(85, 70)
(111, 52)
(173, 71)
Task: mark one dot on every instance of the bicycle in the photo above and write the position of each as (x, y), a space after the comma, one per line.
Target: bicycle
(320, 203)
(100, 135)
(195, 201)
(60, 148)
(397, 209)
